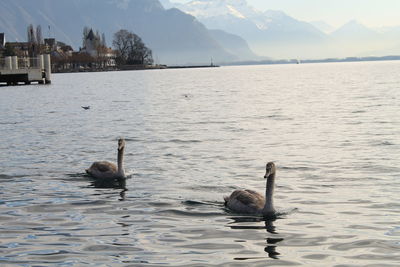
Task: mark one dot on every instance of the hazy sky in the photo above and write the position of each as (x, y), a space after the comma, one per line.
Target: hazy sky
(373, 13)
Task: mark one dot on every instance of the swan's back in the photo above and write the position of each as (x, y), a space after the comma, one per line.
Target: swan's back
(245, 201)
(102, 169)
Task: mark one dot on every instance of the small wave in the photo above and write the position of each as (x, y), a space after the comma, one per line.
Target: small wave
(121, 101)
(201, 203)
(384, 143)
(177, 141)
(4, 176)
(301, 168)
(77, 175)
(280, 214)
(172, 155)
(10, 123)
(89, 203)
(279, 118)
(180, 141)
(211, 122)
(10, 177)
(189, 213)
(132, 139)
(129, 173)
(394, 232)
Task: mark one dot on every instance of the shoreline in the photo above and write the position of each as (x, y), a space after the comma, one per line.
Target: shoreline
(134, 67)
(241, 63)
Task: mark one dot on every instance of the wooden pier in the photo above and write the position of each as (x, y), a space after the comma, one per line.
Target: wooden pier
(14, 70)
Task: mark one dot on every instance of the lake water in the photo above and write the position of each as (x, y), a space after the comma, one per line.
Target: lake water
(193, 136)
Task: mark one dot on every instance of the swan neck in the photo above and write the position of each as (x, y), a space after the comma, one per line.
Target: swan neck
(269, 193)
(120, 161)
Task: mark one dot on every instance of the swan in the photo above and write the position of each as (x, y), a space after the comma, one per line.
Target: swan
(108, 170)
(251, 202)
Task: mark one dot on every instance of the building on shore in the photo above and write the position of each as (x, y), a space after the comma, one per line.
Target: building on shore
(95, 46)
(91, 43)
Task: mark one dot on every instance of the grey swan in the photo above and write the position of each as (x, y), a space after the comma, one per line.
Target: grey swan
(251, 202)
(108, 170)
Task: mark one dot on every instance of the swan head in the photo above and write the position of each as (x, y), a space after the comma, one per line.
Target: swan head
(121, 144)
(269, 169)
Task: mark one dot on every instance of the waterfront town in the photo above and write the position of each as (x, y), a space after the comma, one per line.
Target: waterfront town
(94, 55)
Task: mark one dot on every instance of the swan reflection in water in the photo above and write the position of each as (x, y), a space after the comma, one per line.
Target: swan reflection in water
(270, 228)
(119, 183)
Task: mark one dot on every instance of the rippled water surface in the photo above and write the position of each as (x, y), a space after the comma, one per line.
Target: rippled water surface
(193, 136)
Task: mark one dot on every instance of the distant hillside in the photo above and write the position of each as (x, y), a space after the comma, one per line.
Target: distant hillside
(322, 26)
(174, 37)
(234, 45)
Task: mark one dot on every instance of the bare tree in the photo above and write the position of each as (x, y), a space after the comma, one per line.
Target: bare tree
(32, 42)
(121, 42)
(131, 49)
(86, 31)
(39, 36)
(31, 34)
(140, 54)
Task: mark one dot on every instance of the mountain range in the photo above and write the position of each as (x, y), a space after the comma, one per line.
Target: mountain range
(275, 34)
(198, 31)
(174, 36)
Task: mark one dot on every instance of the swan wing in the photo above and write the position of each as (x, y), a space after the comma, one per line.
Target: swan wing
(245, 201)
(104, 166)
(102, 169)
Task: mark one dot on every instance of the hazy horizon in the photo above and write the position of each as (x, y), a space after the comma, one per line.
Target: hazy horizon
(371, 13)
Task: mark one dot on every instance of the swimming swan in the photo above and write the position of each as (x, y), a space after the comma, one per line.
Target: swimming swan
(108, 170)
(251, 202)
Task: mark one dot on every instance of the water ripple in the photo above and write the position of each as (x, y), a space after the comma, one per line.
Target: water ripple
(331, 129)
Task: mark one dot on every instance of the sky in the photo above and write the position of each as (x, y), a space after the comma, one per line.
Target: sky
(372, 13)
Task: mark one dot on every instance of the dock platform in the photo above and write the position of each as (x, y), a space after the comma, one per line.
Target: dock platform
(14, 70)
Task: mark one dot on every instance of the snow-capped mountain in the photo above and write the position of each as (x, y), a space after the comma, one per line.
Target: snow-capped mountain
(205, 8)
(271, 33)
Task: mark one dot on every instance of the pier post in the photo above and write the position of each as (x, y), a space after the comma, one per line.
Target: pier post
(14, 62)
(40, 62)
(47, 67)
(8, 63)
